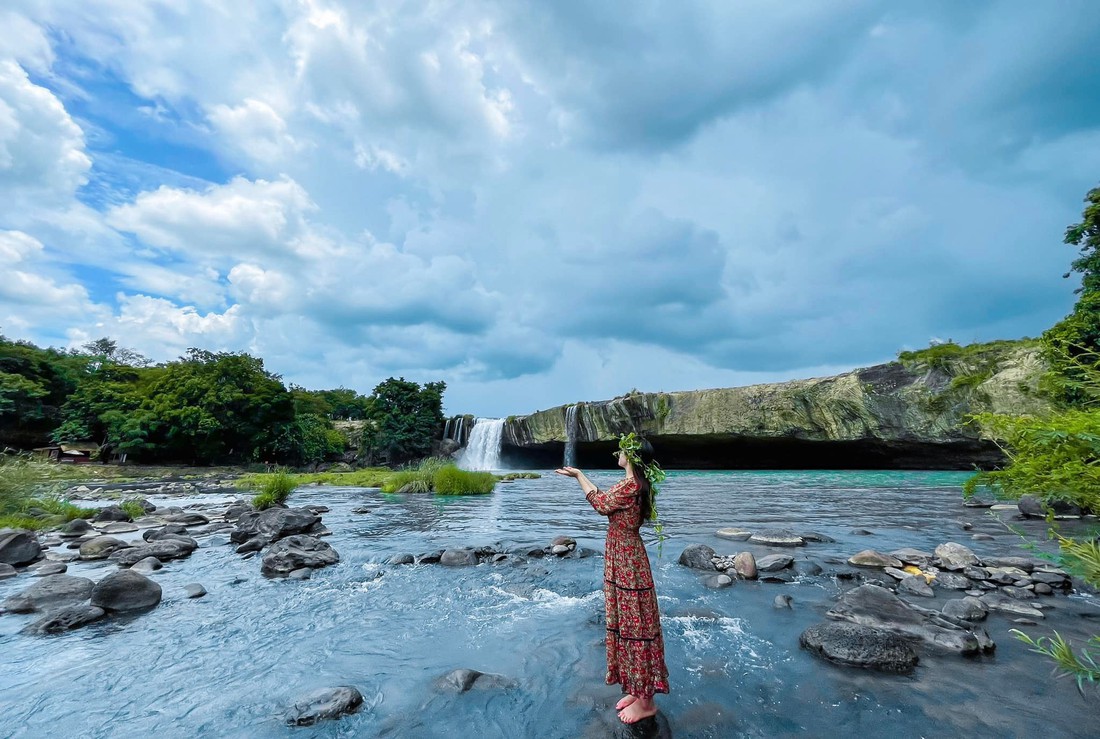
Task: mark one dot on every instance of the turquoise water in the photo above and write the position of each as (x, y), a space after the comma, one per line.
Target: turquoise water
(229, 663)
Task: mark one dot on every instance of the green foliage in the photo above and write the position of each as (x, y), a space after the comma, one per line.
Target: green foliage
(962, 360)
(1086, 236)
(407, 418)
(274, 488)
(519, 476)
(450, 480)
(341, 403)
(407, 481)
(1083, 667)
(133, 509)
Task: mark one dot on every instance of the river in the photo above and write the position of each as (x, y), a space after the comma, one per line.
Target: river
(230, 663)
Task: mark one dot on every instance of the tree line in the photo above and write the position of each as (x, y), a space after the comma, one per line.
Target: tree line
(203, 408)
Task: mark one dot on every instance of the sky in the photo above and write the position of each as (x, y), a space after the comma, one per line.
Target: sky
(542, 202)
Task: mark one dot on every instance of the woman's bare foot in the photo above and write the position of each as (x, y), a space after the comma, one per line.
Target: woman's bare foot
(638, 710)
(625, 701)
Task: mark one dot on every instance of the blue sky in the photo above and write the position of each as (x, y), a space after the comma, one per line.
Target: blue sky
(542, 202)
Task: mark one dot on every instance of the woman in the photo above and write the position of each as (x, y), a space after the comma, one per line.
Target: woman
(635, 647)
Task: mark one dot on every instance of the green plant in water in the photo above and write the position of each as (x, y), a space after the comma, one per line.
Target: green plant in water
(133, 509)
(274, 489)
(450, 480)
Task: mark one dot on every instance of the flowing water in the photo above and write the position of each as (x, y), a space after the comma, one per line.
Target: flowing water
(482, 452)
(230, 663)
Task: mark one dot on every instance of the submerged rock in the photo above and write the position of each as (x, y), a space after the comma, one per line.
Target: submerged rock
(733, 534)
(458, 558)
(323, 704)
(782, 601)
(698, 557)
(859, 646)
(64, 619)
(777, 538)
(18, 547)
(462, 680)
(100, 547)
(51, 591)
(716, 582)
(870, 605)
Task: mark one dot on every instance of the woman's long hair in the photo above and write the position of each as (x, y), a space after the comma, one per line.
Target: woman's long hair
(645, 490)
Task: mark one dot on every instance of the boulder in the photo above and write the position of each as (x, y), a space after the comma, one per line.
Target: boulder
(777, 538)
(870, 605)
(194, 590)
(401, 559)
(101, 547)
(162, 549)
(564, 541)
(50, 592)
(996, 601)
(967, 609)
(18, 547)
(431, 558)
(190, 518)
(273, 524)
(911, 556)
(65, 619)
(117, 527)
(326, 703)
(49, 567)
(126, 590)
(112, 513)
(1024, 564)
(235, 511)
(698, 557)
(733, 534)
(895, 573)
(782, 601)
(169, 529)
(871, 558)
(774, 562)
(745, 565)
(1031, 507)
(816, 537)
(954, 556)
(76, 527)
(458, 557)
(916, 585)
(147, 565)
(859, 646)
(294, 552)
(951, 581)
(462, 680)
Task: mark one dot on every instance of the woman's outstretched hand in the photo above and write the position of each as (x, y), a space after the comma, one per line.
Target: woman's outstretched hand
(568, 471)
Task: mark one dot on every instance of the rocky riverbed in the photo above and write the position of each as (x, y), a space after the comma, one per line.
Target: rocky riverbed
(489, 610)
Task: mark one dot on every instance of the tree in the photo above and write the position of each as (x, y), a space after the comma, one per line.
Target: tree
(408, 418)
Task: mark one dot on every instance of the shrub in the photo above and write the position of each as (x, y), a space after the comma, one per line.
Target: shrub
(408, 481)
(450, 480)
(133, 509)
(274, 488)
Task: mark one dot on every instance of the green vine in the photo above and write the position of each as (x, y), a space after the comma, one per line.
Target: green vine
(631, 446)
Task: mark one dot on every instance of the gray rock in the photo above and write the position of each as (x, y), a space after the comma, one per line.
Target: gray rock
(252, 545)
(870, 605)
(48, 568)
(294, 552)
(733, 534)
(716, 582)
(361, 510)
(559, 549)
(49, 592)
(126, 590)
(65, 619)
(18, 547)
(100, 547)
(911, 556)
(431, 558)
(859, 646)
(745, 565)
(1018, 593)
(401, 559)
(861, 532)
(871, 558)
(194, 590)
(188, 519)
(170, 529)
(147, 565)
(76, 527)
(273, 523)
(1041, 588)
(112, 513)
(234, 512)
(916, 585)
(895, 573)
(774, 562)
(976, 573)
(996, 601)
(117, 527)
(777, 538)
(951, 581)
(324, 704)
(564, 541)
(816, 537)
(698, 557)
(1032, 507)
(810, 569)
(964, 525)
(1023, 564)
(302, 573)
(967, 609)
(458, 558)
(982, 537)
(163, 549)
(462, 680)
(7, 571)
(955, 556)
(782, 601)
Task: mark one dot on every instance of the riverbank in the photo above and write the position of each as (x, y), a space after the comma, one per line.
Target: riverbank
(231, 662)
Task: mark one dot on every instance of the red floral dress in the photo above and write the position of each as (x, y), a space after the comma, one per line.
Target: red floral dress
(635, 647)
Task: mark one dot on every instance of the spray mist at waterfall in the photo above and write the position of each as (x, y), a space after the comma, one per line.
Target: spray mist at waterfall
(482, 452)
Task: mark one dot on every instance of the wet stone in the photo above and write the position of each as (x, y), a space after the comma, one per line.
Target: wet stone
(324, 704)
(859, 646)
(194, 590)
(782, 601)
(716, 582)
(871, 558)
(733, 534)
(916, 585)
(774, 562)
(777, 538)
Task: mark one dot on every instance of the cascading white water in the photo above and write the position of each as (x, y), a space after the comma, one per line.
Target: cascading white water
(482, 452)
(571, 435)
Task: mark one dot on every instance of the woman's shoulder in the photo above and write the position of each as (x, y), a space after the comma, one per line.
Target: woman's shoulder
(625, 486)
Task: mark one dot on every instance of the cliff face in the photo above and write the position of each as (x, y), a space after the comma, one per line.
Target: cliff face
(911, 415)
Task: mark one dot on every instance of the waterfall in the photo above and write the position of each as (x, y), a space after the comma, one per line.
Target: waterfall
(571, 435)
(482, 452)
(447, 429)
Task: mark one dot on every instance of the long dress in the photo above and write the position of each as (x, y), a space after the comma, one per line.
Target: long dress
(635, 646)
